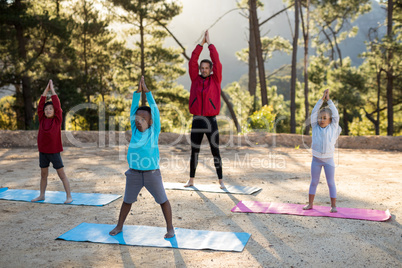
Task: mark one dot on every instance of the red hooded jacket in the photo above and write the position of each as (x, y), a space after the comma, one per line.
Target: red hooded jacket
(49, 135)
(205, 93)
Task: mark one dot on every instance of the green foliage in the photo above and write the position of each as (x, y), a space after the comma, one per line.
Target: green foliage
(362, 126)
(268, 46)
(346, 84)
(29, 30)
(262, 120)
(76, 122)
(242, 103)
(72, 43)
(281, 79)
(7, 113)
(329, 20)
(38, 28)
(374, 70)
(173, 108)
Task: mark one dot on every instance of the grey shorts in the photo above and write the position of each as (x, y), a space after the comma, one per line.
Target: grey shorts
(46, 159)
(151, 179)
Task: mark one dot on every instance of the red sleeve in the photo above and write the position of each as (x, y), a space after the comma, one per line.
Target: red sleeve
(193, 63)
(40, 107)
(217, 65)
(58, 112)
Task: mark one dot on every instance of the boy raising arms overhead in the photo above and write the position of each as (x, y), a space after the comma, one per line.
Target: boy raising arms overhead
(143, 159)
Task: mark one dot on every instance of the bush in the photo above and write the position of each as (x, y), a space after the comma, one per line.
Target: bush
(8, 117)
(262, 120)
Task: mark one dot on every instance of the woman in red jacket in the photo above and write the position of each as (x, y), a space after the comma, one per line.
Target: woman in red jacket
(205, 104)
(49, 142)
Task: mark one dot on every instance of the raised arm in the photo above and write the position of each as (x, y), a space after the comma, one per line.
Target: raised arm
(42, 102)
(134, 105)
(334, 111)
(216, 63)
(316, 109)
(58, 112)
(156, 120)
(193, 63)
(44, 94)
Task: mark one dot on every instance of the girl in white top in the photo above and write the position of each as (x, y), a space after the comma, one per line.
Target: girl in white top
(326, 130)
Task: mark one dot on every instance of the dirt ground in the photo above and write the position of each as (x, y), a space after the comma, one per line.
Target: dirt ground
(366, 178)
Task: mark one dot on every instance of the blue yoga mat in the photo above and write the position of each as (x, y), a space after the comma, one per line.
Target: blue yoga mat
(54, 197)
(135, 235)
(212, 188)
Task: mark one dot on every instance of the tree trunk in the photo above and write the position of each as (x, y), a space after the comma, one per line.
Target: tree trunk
(19, 107)
(260, 60)
(231, 111)
(63, 123)
(27, 94)
(377, 122)
(143, 97)
(252, 66)
(26, 83)
(57, 7)
(86, 68)
(293, 77)
(306, 40)
(345, 121)
(390, 111)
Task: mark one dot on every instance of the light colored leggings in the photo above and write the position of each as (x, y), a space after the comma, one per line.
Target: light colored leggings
(329, 169)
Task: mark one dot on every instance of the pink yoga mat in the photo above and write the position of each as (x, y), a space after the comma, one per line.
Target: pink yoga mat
(317, 211)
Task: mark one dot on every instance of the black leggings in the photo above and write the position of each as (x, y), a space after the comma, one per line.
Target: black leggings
(209, 126)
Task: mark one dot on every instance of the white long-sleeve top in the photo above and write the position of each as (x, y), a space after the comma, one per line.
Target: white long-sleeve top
(324, 139)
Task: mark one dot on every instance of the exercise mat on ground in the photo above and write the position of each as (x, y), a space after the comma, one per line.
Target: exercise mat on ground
(56, 197)
(213, 188)
(149, 236)
(317, 211)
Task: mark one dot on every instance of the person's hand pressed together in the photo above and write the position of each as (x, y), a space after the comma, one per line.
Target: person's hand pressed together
(207, 37)
(143, 85)
(324, 96)
(46, 89)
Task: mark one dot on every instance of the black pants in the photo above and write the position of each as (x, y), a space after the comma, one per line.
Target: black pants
(205, 125)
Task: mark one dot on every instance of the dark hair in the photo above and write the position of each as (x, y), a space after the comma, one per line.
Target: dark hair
(47, 103)
(144, 108)
(208, 61)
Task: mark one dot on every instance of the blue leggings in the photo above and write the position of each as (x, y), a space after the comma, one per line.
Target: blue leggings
(329, 169)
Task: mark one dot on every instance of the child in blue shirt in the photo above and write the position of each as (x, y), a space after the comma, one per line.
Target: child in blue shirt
(143, 160)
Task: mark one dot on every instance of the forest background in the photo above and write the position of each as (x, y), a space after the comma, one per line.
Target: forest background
(278, 57)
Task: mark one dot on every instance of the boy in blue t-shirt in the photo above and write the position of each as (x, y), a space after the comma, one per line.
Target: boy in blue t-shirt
(143, 160)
